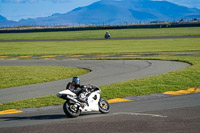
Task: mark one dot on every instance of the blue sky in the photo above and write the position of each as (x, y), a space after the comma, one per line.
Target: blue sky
(23, 9)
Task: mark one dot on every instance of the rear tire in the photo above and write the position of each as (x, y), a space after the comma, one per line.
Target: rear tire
(71, 110)
(104, 106)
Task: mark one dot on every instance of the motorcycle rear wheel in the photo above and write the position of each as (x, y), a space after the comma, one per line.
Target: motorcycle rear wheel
(71, 110)
(104, 106)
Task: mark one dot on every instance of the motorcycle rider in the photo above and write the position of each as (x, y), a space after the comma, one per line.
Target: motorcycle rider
(107, 35)
(78, 89)
(75, 104)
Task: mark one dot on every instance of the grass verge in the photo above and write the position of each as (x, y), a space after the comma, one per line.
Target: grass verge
(23, 75)
(180, 79)
(97, 47)
(172, 81)
(100, 33)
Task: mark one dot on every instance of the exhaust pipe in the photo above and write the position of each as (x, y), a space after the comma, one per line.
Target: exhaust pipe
(82, 105)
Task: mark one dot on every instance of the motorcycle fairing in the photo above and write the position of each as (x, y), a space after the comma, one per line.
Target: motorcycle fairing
(65, 92)
(93, 101)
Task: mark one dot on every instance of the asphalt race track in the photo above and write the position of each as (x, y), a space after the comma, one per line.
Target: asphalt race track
(102, 72)
(171, 114)
(164, 114)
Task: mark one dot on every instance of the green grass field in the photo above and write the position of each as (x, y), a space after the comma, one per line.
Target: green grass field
(23, 75)
(100, 33)
(172, 81)
(97, 47)
(180, 79)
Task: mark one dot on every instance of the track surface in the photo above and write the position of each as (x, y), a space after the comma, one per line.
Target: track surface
(166, 114)
(171, 114)
(103, 72)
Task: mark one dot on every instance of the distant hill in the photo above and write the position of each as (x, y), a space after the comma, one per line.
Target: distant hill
(111, 11)
(6, 23)
(2, 18)
(116, 12)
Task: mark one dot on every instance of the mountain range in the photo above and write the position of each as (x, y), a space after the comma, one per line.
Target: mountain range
(112, 12)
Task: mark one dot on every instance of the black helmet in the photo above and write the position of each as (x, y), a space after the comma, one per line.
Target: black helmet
(76, 81)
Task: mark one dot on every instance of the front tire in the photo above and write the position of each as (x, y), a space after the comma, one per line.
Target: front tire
(71, 110)
(104, 106)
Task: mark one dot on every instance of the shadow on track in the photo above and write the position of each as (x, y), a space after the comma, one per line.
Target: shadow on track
(38, 117)
(45, 117)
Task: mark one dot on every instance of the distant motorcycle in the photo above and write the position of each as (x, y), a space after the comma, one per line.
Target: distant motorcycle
(93, 102)
(107, 35)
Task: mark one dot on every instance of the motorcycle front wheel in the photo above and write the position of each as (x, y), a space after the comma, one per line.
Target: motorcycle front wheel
(104, 106)
(71, 109)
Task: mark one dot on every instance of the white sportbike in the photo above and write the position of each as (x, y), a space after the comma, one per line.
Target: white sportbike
(88, 100)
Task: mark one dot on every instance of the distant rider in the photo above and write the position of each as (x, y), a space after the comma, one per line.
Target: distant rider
(107, 35)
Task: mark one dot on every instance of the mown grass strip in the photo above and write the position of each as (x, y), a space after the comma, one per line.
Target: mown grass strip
(11, 76)
(98, 47)
(32, 103)
(116, 33)
(172, 81)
